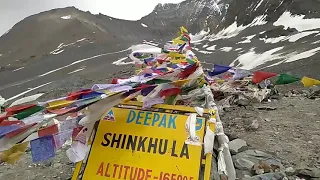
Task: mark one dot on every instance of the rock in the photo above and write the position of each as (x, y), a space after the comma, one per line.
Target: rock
(309, 173)
(268, 108)
(255, 157)
(57, 165)
(267, 119)
(243, 164)
(314, 92)
(261, 168)
(231, 136)
(242, 101)
(268, 176)
(242, 174)
(254, 125)
(290, 171)
(311, 114)
(237, 145)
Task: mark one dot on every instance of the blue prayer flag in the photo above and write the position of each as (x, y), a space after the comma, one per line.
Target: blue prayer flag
(42, 148)
(218, 69)
(8, 129)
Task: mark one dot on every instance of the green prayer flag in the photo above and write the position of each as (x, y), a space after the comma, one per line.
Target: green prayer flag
(286, 79)
(28, 112)
(158, 81)
(184, 39)
(190, 61)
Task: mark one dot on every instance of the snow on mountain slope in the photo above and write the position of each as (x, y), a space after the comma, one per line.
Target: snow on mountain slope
(270, 35)
(267, 35)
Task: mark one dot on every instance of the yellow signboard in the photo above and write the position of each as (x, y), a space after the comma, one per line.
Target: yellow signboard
(143, 145)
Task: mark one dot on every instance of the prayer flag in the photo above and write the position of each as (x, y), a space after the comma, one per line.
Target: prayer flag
(218, 69)
(308, 82)
(259, 76)
(42, 148)
(286, 79)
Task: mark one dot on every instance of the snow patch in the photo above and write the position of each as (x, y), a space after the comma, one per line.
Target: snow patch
(1, 55)
(18, 69)
(144, 25)
(297, 21)
(150, 43)
(66, 17)
(316, 42)
(57, 52)
(206, 45)
(303, 55)
(298, 36)
(205, 52)
(199, 36)
(62, 46)
(238, 49)
(274, 40)
(110, 19)
(212, 48)
(233, 30)
(29, 90)
(121, 62)
(251, 59)
(247, 40)
(82, 60)
(292, 38)
(77, 70)
(226, 49)
(258, 5)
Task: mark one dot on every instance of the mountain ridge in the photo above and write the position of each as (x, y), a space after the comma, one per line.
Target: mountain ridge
(278, 36)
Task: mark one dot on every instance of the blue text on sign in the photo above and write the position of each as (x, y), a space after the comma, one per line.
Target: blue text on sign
(147, 118)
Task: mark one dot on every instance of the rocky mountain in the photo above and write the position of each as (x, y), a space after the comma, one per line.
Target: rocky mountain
(63, 45)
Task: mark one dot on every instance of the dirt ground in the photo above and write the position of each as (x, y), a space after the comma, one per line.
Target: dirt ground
(291, 131)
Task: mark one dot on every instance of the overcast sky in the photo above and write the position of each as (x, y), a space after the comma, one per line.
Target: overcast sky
(13, 11)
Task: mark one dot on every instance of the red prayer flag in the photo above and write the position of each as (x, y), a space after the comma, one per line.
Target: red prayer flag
(20, 130)
(76, 131)
(76, 95)
(188, 71)
(8, 123)
(259, 76)
(18, 108)
(115, 80)
(51, 130)
(170, 92)
(4, 117)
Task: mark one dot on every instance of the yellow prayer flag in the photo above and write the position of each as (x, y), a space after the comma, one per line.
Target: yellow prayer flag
(176, 55)
(59, 104)
(180, 82)
(308, 82)
(110, 93)
(183, 30)
(12, 155)
(178, 41)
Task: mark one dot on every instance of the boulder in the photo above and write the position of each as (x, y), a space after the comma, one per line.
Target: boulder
(238, 145)
(290, 171)
(309, 173)
(250, 157)
(243, 164)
